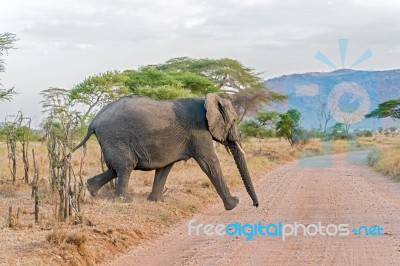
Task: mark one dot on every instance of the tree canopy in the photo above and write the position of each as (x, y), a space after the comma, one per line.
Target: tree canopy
(239, 83)
(55, 100)
(148, 76)
(165, 92)
(151, 77)
(390, 108)
(7, 41)
(96, 91)
(228, 74)
(7, 94)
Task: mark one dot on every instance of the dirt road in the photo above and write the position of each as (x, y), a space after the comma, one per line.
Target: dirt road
(345, 193)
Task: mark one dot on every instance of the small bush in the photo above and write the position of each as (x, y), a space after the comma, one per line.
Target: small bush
(77, 239)
(58, 237)
(363, 133)
(374, 157)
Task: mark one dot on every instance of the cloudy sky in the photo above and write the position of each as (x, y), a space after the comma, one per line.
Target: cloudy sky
(62, 42)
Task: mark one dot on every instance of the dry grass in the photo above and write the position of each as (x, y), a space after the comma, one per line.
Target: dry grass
(113, 225)
(386, 158)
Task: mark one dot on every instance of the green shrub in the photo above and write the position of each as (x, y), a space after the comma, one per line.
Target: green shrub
(374, 157)
(252, 129)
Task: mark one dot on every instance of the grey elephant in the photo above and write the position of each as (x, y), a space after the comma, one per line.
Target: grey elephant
(138, 133)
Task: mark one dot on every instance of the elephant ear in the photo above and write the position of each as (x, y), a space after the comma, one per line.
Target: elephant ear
(220, 116)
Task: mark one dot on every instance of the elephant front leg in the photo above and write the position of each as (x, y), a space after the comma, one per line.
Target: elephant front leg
(159, 182)
(211, 167)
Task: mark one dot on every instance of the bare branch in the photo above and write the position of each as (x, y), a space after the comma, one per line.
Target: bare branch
(6, 95)
(325, 112)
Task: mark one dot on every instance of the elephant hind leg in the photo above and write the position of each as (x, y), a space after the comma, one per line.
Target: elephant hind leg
(96, 182)
(159, 182)
(122, 183)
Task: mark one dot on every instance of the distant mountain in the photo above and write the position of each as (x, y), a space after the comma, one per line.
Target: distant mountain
(354, 92)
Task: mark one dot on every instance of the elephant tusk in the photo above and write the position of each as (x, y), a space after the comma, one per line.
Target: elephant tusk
(239, 147)
(227, 150)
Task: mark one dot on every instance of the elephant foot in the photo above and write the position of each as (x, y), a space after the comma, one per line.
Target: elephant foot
(92, 189)
(231, 203)
(124, 199)
(154, 197)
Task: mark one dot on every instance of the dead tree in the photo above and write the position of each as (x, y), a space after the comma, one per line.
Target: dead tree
(24, 128)
(35, 192)
(60, 127)
(18, 130)
(11, 139)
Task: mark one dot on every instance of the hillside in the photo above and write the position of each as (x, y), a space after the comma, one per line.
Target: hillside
(305, 91)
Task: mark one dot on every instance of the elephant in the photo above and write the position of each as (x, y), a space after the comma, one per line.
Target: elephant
(139, 133)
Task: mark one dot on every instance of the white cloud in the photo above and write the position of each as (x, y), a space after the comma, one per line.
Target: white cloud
(378, 3)
(395, 51)
(84, 46)
(193, 22)
(251, 3)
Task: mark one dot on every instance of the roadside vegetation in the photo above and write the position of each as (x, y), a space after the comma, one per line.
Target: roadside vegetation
(386, 157)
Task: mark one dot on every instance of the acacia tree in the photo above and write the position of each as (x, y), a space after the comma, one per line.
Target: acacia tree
(7, 42)
(163, 82)
(390, 108)
(248, 101)
(179, 78)
(239, 83)
(148, 76)
(156, 84)
(96, 91)
(166, 92)
(228, 74)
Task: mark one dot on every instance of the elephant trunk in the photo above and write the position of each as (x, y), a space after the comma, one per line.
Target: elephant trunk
(244, 172)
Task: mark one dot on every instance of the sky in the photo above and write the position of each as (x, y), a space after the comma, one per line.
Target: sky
(62, 42)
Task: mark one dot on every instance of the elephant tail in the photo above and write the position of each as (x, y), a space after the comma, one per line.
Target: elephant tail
(88, 134)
